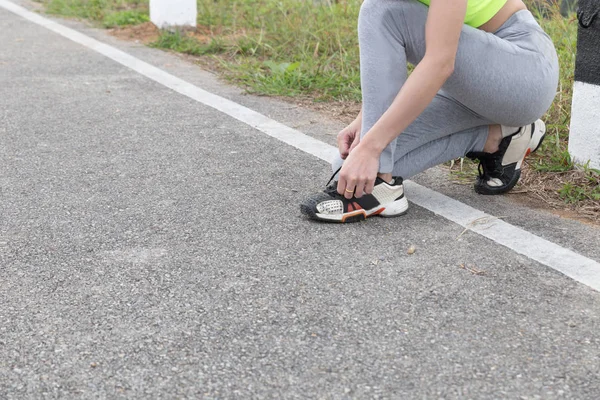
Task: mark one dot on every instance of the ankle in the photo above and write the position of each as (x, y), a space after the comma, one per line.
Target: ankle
(387, 177)
(494, 138)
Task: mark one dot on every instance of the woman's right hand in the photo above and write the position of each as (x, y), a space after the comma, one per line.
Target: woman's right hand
(348, 138)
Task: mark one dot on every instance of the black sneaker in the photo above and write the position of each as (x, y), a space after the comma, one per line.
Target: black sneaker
(499, 172)
(387, 200)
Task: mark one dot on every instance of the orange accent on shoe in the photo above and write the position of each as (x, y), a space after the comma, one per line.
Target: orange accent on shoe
(528, 152)
(357, 206)
(350, 207)
(377, 212)
(353, 214)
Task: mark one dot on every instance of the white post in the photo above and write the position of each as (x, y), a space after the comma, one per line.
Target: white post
(584, 136)
(173, 13)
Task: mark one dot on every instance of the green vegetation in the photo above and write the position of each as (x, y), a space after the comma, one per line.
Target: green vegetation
(310, 49)
(272, 47)
(289, 47)
(109, 13)
(554, 155)
(181, 43)
(584, 184)
(124, 18)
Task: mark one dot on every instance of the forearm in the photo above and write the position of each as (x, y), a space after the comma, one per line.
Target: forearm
(416, 94)
(360, 115)
(445, 20)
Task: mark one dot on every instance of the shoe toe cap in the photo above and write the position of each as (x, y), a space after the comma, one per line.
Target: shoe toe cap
(309, 206)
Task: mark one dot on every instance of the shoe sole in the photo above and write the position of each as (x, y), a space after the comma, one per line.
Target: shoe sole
(394, 209)
(537, 138)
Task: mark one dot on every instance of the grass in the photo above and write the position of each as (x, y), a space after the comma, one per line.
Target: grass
(309, 49)
(125, 18)
(269, 46)
(109, 13)
(553, 158)
(272, 48)
(181, 43)
(554, 155)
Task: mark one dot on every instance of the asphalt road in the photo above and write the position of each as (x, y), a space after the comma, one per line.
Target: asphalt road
(152, 247)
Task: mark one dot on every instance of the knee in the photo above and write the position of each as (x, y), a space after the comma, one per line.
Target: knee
(384, 14)
(371, 20)
(368, 8)
(374, 11)
(378, 7)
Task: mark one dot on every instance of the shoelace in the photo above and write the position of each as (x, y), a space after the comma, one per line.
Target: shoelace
(487, 167)
(491, 166)
(332, 188)
(481, 170)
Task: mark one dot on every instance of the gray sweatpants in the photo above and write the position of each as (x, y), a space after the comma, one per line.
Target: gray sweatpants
(509, 78)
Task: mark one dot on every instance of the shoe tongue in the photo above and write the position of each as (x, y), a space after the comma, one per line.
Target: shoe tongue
(331, 188)
(379, 180)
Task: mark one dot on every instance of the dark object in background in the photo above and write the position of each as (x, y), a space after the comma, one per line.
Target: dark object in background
(587, 69)
(567, 7)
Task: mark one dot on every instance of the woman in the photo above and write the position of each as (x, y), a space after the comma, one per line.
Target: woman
(485, 72)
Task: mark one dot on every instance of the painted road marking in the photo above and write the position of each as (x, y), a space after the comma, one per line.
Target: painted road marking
(574, 265)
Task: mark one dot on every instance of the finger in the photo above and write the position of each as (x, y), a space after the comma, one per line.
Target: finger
(370, 186)
(344, 151)
(340, 141)
(349, 190)
(346, 187)
(355, 143)
(341, 187)
(359, 189)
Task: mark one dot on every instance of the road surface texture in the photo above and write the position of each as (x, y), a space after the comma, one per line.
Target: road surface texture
(152, 247)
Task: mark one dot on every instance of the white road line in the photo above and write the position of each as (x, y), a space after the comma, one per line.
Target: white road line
(576, 266)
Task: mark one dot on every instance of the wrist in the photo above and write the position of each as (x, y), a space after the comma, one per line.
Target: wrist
(368, 144)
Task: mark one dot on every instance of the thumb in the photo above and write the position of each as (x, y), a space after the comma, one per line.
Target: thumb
(355, 142)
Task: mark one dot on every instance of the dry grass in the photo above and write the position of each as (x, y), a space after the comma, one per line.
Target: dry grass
(545, 188)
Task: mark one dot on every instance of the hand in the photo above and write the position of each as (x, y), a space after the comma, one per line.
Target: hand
(349, 138)
(358, 173)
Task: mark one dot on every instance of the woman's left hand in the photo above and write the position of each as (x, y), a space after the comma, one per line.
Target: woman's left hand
(358, 173)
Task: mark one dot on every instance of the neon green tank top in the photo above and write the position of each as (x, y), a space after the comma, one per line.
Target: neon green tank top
(479, 11)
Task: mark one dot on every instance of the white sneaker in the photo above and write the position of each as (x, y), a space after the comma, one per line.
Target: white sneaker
(387, 200)
(499, 172)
